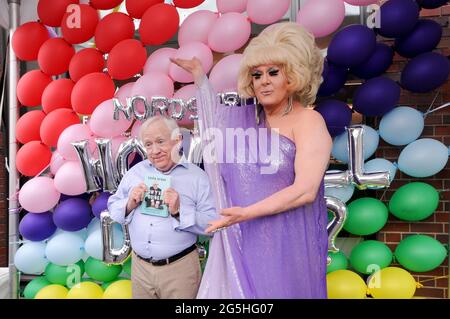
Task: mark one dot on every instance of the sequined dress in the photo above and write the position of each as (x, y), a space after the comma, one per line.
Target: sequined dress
(278, 256)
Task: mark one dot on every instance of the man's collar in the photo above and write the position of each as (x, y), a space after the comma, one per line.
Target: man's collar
(182, 162)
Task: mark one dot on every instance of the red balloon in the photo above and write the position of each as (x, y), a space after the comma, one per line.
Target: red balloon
(105, 4)
(31, 86)
(57, 95)
(33, 158)
(186, 4)
(27, 40)
(84, 62)
(50, 12)
(78, 25)
(54, 123)
(112, 29)
(136, 8)
(54, 56)
(91, 90)
(126, 59)
(28, 125)
(159, 24)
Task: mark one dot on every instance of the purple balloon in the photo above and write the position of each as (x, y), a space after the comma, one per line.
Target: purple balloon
(431, 4)
(72, 214)
(376, 97)
(377, 64)
(100, 204)
(398, 18)
(37, 226)
(352, 46)
(425, 72)
(425, 37)
(334, 78)
(337, 115)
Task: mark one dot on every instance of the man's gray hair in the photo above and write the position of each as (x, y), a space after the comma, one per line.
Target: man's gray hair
(171, 124)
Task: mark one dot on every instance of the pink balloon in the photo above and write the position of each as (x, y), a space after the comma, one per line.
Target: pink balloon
(123, 92)
(73, 133)
(135, 130)
(159, 60)
(188, 51)
(115, 144)
(321, 17)
(102, 121)
(196, 27)
(39, 195)
(151, 85)
(229, 33)
(69, 179)
(225, 6)
(185, 93)
(224, 75)
(267, 11)
(56, 162)
(361, 2)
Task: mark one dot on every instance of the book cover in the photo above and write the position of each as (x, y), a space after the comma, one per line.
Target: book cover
(153, 203)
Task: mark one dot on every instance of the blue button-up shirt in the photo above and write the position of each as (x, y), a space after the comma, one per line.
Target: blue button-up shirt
(159, 237)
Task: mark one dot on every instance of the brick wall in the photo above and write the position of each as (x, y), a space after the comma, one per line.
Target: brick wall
(437, 126)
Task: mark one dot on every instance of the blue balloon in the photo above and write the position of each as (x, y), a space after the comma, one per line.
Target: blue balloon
(377, 64)
(93, 226)
(30, 258)
(425, 72)
(337, 115)
(334, 78)
(100, 203)
(401, 126)
(352, 46)
(425, 37)
(65, 249)
(94, 243)
(72, 214)
(370, 144)
(423, 158)
(344, 193)
(431, 4)
(37, 226)
(398, 18)
(380, 165)
(376, 96)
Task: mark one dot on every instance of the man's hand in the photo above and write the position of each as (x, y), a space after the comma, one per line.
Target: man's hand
(136, 197)
(172, 199)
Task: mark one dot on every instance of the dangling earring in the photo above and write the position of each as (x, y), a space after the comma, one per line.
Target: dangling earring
(289, 105)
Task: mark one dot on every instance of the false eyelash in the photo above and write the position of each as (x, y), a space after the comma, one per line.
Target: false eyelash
(274, 72)
(256, 75)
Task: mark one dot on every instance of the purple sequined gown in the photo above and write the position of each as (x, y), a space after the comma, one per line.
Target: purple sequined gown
(278, 256)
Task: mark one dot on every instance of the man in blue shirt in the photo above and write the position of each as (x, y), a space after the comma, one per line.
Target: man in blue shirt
(165, 261)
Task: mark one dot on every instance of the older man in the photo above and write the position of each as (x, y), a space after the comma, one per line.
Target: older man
(165, 260)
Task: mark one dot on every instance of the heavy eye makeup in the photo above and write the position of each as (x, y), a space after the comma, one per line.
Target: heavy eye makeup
(272, 72)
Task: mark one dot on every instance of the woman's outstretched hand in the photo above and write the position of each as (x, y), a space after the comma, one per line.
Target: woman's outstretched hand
(193, 66)
(231, 216)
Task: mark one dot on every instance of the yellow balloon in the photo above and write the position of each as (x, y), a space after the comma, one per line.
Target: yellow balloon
(392, 283)
(52, 292)
(345, 284)
(121, 289)
(85, 290)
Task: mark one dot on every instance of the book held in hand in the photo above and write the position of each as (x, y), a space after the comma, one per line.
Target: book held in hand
(153, 203)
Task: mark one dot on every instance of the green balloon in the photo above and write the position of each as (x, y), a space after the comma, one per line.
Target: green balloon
(414, 201)
(33, 287)
(366, 216)
(420, 253)
(59, 274)
(338, 262)
(127, 266)
(106, 284)
(98, 270)
(370, 256)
